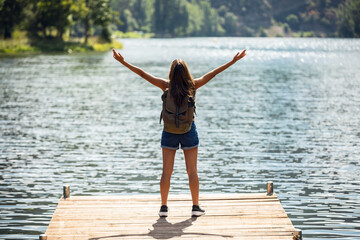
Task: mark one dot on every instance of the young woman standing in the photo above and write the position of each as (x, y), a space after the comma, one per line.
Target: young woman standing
(180, 85)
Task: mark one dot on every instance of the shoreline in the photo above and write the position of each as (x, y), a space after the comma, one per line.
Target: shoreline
(20, 46)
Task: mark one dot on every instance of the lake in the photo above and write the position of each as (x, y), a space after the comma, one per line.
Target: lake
(289, 112)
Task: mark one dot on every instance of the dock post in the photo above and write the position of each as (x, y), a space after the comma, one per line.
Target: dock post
(297, 235)
(42, 237)
(270, 188)
(66, 191)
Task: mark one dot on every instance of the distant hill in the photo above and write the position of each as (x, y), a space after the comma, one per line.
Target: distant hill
(321, 18)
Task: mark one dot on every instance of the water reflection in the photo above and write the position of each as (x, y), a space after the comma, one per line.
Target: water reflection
(287, 113)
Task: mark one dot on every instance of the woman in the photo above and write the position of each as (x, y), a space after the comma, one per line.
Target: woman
(180, 85)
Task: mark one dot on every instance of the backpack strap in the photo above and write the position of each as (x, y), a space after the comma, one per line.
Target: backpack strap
(177, 117)
(163, 98)
(192, 104)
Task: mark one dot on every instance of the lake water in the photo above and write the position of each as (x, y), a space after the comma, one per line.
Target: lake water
(289, 112)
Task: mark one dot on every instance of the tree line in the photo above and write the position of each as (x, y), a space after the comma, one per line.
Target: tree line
(53, 18)
(179, 18)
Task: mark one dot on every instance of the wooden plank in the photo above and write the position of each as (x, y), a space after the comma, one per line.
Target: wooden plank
(172, 197)
(140, 234)
(147, 218)
(174, 203)
(164, 229)
(179, 212)
(133, 205)
(114, 224)
(197, 237)
(235, 216)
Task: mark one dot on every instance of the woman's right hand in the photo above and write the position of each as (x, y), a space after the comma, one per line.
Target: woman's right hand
(118, 56)
(239, 56)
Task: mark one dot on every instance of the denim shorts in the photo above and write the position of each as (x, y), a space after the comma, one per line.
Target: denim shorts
(187, 140)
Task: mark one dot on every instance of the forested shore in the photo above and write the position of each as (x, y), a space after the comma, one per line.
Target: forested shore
(242, 18)
(56, 26)
(82, 25)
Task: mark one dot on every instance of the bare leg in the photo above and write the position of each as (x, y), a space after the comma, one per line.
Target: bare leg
(168, 166)
(191, 168)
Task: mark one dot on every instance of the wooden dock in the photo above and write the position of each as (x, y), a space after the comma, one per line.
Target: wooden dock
(228, 216)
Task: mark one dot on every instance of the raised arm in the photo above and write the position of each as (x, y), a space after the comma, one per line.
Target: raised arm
(210, 75)
(159, 82)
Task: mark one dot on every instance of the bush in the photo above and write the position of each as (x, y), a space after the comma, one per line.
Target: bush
(262, 32)
(120, 34)
(38, 45)
(293, 21)
(287, 28)
(247, 32)
(18, 44)
(308, 34)
(102, 47)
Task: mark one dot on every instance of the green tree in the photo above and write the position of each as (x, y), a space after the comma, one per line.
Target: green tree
(98, 14)
(10, 11)
(230, 24)
(178, 18)
(130, 23)
(79, 11)
(158, 16)
(349, 19)
(52, 14)
(139, 12)
(195, 21)
(211, 21)
(293, 21)
(208, 19)
(171, 17)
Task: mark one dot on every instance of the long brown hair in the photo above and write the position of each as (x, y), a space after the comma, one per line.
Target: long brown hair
(181, 82)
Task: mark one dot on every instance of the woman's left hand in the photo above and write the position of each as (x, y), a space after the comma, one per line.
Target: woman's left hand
(118, 56)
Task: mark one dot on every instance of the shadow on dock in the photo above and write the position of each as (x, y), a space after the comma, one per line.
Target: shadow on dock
(163, 229)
